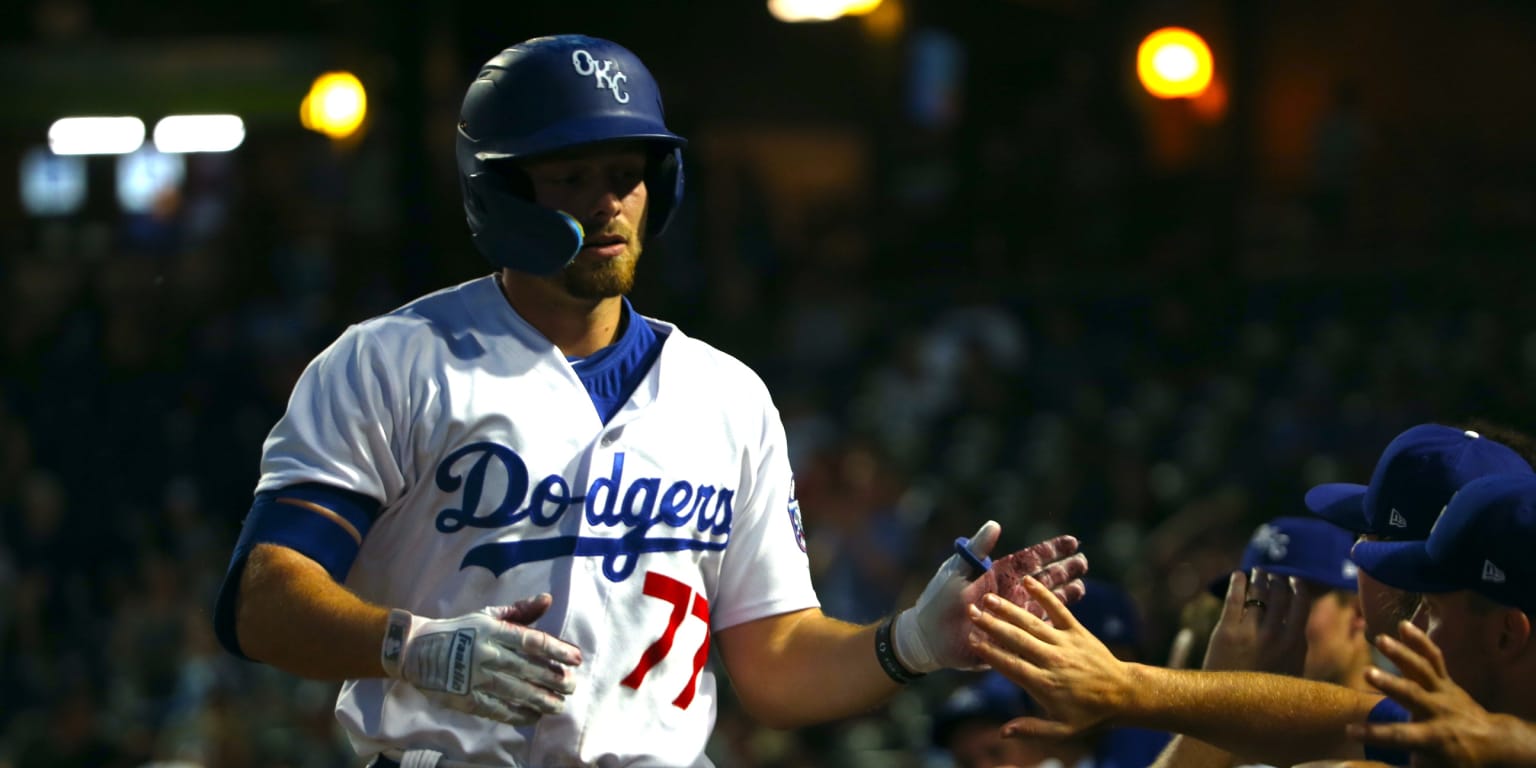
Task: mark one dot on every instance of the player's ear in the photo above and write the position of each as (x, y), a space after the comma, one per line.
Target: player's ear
(1356, 607)
(1514, 633)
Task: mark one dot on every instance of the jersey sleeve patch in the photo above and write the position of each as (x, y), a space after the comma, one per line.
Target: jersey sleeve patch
(323, 523)
(796, 522)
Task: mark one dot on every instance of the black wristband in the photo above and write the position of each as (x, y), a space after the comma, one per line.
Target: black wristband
(885, 653)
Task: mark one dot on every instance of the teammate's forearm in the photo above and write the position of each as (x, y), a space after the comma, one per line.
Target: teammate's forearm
(1256, 716)
(813, 669)
(292, 615)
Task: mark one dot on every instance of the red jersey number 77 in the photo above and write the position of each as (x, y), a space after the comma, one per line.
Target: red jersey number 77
(684, 602)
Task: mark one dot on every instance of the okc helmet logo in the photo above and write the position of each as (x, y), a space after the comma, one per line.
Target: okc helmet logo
(604, 73)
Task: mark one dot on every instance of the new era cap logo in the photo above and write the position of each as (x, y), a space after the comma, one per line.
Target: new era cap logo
(1396, 520)
(1491, 573)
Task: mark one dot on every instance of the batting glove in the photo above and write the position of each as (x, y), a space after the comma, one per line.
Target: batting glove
(933, 633)
(487, 663)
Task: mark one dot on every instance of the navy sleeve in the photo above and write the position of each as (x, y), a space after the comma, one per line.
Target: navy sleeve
(1388, 711)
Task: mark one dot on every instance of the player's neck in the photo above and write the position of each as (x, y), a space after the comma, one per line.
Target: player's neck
(579, 327)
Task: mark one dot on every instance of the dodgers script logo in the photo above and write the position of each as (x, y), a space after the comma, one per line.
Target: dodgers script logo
(604, 72)
(638, 504)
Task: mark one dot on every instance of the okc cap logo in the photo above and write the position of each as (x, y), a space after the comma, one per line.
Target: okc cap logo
(605, 73)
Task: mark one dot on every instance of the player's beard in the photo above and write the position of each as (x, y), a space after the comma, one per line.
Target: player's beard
(609, 277)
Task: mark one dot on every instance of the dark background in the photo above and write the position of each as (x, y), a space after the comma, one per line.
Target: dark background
(1052, 300)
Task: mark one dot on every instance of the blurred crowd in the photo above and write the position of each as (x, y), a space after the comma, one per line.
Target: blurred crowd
(1025, 336)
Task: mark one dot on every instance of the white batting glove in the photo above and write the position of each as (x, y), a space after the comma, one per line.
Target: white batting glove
(487, 663)
(933, 634)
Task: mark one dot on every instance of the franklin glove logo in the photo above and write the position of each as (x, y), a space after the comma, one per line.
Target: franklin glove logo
(459, 661)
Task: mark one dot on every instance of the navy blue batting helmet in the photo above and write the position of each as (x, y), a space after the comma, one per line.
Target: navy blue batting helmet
(543, 96)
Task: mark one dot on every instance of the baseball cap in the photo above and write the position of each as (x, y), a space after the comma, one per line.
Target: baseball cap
(1109, 613)
(990, 698)
(1483, 542)
(1414, 479)
(1304, 547)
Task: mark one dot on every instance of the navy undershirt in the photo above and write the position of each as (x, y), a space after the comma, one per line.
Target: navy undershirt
(612, 373)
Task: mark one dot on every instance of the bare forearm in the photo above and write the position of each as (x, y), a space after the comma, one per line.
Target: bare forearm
(292, 615)
(1255, 716)
(812, 669)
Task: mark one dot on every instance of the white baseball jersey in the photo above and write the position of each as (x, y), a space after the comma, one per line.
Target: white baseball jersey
(498, 482)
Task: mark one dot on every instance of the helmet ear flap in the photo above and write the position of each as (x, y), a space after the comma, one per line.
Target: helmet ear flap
(664, 185)
(513, 231)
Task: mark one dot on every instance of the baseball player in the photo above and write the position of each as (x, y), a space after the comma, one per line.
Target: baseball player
(515, 515)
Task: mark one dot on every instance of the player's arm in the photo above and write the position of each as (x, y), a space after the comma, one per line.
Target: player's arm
(800, 668)
(804, 667)
(1080, 685)
(282, 590)
(284, 603)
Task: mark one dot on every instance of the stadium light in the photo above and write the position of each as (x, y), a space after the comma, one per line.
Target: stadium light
(335, 105)
(51, 184)
(1174, 63)
(199, 133)
(144, 177)
(819, 10)
(95, 135)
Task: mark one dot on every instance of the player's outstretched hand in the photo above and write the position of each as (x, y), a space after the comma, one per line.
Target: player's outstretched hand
(488, 663)
(933, 633)
(1448, 728)
(1263, 626)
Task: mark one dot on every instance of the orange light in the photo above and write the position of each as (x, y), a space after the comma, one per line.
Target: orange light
(1174, 63)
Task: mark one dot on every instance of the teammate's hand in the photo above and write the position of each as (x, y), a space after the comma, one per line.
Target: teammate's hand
(1073, 677)
(487, 663)
(933, 633)
(1263, 626)
(1448, 728)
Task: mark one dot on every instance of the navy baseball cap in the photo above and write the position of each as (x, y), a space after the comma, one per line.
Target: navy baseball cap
(1483, 542)
(1304, 547)
(1414, 479)
(1109, 613)
(990, 698)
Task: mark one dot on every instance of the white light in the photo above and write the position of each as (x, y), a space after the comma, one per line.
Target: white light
(807, 10)
(199, 133)
(95, 135)
(146, 176)
(1176, 62)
